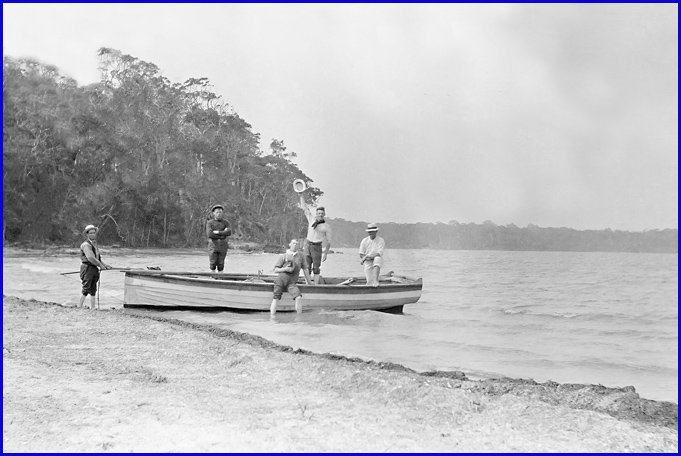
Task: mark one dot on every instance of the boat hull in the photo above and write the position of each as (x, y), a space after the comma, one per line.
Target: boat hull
(205, 291)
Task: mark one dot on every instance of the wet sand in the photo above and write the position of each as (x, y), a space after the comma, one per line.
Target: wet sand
(77, 380)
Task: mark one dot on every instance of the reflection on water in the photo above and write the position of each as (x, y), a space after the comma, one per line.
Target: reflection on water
(604, 318)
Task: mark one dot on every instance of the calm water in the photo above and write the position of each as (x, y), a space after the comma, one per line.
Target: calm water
(603, 318)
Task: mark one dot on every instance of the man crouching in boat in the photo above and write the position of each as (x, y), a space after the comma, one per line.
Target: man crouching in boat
(288, 268)
(371, 253)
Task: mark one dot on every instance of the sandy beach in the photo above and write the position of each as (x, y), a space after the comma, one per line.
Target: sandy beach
(76, 380)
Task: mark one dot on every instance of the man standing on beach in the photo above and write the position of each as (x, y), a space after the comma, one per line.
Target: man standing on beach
(318, 239)
(371, 253)
(288, 267)
(217, 231)
(90, 264)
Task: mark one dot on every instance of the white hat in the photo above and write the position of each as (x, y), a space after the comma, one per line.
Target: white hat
(90, 227)
(299, 185)
(372, 227)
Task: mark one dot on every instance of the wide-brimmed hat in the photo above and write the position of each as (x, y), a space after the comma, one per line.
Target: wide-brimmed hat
(371, 227)
(90, 227)
(217, 206)
(299, 185)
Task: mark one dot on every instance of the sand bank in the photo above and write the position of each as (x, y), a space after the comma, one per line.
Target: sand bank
(106, 381)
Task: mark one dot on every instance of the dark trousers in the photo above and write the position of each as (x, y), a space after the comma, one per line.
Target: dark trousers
(217, 260)
(89, 276)
(313, 254)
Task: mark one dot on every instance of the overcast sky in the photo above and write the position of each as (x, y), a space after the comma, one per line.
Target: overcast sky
(555, 115)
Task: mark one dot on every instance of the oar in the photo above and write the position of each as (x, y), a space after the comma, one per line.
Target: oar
(155, 268)
(392, 277)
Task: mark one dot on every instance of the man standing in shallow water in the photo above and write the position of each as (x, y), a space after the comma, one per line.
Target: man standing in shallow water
(318, 239)
(90, 264)
(288, 267)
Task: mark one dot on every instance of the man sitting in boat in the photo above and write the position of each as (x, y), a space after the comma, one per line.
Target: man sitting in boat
(371, 253)
(288, 267)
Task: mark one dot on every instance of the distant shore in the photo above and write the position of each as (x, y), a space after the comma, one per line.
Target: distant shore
(109, 381)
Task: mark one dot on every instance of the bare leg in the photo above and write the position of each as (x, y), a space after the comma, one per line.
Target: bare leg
(316, 279)
(82, 300)
(299, 304)
(92, 302)
(273, 306)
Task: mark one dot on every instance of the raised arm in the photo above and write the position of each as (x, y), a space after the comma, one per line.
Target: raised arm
(304, 206)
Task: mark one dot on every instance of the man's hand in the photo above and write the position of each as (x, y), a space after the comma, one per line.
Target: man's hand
(323, 256)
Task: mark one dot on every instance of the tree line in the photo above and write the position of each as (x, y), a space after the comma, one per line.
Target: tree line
(490, 236)
(145, 158)
(138, 155)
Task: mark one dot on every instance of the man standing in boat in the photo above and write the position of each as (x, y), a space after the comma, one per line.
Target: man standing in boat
(217, 231)
(371, 254)
(318, 239)
(288, 267)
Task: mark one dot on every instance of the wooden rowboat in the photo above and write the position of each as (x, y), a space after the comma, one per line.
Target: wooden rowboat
(211, 291)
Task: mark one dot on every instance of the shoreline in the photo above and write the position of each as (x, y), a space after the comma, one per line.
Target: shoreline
(246, 248)
(338, 402)
(619, 402)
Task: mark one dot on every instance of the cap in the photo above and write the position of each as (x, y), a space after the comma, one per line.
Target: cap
(372, 227)
(90, 227)
(217, 206)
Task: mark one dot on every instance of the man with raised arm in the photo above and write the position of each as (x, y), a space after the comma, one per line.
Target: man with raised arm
(318, 239)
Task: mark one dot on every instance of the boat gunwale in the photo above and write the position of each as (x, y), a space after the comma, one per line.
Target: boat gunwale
(204, 279)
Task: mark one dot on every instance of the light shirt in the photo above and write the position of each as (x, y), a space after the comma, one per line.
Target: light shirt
(320, 233)
(370, 246)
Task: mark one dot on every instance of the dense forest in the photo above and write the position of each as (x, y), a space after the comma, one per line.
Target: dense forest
(138, 155)
(145, 158)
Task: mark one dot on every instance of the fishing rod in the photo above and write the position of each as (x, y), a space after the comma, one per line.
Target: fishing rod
(153, 268)
(99, 288)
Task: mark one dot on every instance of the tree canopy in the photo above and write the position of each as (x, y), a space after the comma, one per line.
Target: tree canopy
(140, 156)
(144, 158)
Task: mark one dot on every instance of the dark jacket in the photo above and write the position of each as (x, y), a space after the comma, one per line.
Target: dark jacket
(217, 242)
